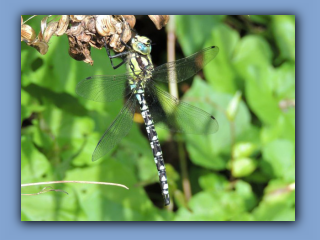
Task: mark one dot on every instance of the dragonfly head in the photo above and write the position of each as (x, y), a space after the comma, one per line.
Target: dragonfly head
(141, 45)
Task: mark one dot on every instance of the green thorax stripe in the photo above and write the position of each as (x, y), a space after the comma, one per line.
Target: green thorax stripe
(139, 63)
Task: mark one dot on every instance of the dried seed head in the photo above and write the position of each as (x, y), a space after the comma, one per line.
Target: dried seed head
(130, 19)
(77, 18)
(159, 20)
(116, 44)
(85, 31)
(115, 29)
(50, 30)
(44, 24)
(118, 27)
(126, 34)
(27, 33)
(97, 42)
(83, 37)
(62, 25)
(87, 54)
(41, 46)
(75, 29)
(119, 49)
(105, 25)
(90, 25)
(115, 39)
(79, 51)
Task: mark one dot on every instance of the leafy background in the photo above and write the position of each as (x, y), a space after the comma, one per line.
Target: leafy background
(244, 172)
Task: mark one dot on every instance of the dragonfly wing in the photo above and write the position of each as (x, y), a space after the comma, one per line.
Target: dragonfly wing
(184, 68)
(178, 116)
(117, 130)
(104, 88)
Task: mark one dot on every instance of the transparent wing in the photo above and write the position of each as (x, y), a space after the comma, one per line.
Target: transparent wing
(117, 130)
(104, 88)
(186, 67)
(178, 116)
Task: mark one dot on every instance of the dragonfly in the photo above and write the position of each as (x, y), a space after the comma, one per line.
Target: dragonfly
(139, 86)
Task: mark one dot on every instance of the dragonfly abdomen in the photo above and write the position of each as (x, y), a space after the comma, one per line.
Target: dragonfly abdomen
(155, 145)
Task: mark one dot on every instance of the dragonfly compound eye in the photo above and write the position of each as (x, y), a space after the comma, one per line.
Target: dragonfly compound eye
(143, 49)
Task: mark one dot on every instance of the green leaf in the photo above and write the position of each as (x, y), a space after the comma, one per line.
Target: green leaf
(280, 155)
(233, 106)
(213, 182)
(284, 32)
(253, 62)
(220, 72)
(29, 105)
(243, 217)
(208, 206)
(245, 191)
(192, 41)
(104, 202)
(284, 81)
(242, 167)
(243, 149)
(206, 150)
(277, 203)
(262, 19)
(34, 165)
(284, 128)
(59, 72)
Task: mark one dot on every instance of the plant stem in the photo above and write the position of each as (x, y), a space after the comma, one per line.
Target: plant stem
(233, 140)
(173, 89)
(84, 182)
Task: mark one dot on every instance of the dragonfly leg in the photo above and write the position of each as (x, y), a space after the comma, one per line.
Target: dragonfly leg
(126, 45)
(119, 65)
(122, 55)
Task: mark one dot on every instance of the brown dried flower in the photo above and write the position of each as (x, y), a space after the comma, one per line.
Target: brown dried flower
(86, 31)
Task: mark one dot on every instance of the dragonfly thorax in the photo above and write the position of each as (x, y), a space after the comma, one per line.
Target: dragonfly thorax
(140, 65)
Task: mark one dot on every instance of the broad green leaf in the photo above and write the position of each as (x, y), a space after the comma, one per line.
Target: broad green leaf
(104, 202)
(257, 177)
(284, 33)
(29, 105)
(52, 206)
(191, 32)
(220, 72)
(262, 19)
(34, 165)
(279, 155)
(277, 203)
(243, 217)
(208, 206)
(253, 62)
(284, 79)
(25, 110)
(244, 189)
(206, 150)
(243, 149)
(242, 167)
(284, 128)
(57, 71)
(213, 182)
